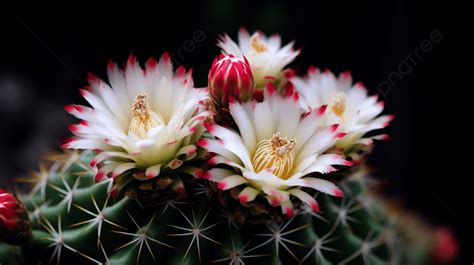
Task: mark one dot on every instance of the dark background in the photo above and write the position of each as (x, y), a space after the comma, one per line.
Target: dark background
(47, 52)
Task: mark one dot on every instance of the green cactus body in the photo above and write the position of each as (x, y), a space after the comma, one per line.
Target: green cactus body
(75, 220)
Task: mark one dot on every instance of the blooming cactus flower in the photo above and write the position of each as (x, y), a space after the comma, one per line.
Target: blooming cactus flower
(14, 223)
(276, 149)
(265, 54)
(348, 105)
(146, 118)
(230, 77)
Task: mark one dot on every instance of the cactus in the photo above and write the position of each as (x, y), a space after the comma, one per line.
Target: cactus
(75, 220)
(262, 167)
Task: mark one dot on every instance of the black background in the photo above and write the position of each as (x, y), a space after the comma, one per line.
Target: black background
(47, 52)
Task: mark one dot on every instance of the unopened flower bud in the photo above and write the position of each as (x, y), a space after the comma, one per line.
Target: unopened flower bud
(230, 77)
(15, 227)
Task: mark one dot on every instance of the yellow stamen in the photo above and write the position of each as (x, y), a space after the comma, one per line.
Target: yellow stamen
(277, 154)
(257, 45)
(339, 104)
(143, 118)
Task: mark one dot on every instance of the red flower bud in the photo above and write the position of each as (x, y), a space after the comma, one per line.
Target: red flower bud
(446, 247)
(230, 77)
(15, 227)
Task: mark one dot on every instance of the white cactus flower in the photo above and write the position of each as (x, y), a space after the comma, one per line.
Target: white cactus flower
(275, 151)
(142, 118)
(266, 56)
(349, 105)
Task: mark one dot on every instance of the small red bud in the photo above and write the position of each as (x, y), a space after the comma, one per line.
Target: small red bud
(15, 227)
(446, 247)
(230, 76)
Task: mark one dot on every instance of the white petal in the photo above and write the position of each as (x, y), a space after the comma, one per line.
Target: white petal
(248, 194)
(323, 163)
(275, 196)
(230, 182)
(245, 126)
(306, 198)
(174, 164)
(178, 186)
(263, 121)
(287, 208)
(153, 171)
(318, 143)
(265, 178)
(217, 174)
(122, 168)
(215, 146)
(321, 185)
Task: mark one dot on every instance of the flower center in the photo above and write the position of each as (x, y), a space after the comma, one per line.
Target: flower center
(339, 104)
(257, 45)
(276, 154)
(143, 118)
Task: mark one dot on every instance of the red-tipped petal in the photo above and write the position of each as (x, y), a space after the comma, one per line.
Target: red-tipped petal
(111, 65)
(66, 143)
(337, 192)
(201, 174)
(340, 135)
(348, 163)
(83, 92)
(79, 108)
(73, 128)
(289, 73)
(221, 185)
(210, 127)
(212, 161)
(99, 176)
(274, 201)
(359, 85)
(315, 207)
(181, 191)
(346, 74)
(151, 63)
(69, 108)
(180, 71)
(166, 56)
(243, 198)
(231, 99)
(258, 96)
(132, 59)
(289, 89)
(296, 96)
(202, 142)
(270, 88)
(322, 110)
(312, 69)
(91, 78)
(114, 193)
(289, 212)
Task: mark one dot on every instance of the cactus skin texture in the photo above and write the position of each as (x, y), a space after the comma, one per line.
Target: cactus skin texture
(76, 221)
